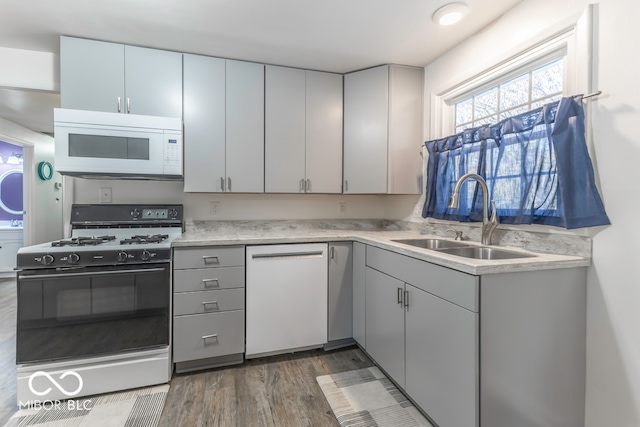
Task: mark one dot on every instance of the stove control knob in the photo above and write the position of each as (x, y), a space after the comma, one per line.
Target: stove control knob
(73, 258)
(146, 255)
(47, 260)
(173, 213)
(135, 213)
(122, 256)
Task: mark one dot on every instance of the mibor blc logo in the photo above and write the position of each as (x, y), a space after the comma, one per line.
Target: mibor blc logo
(55, 383)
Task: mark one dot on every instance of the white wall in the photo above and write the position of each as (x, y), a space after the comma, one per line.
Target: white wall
(613, 306)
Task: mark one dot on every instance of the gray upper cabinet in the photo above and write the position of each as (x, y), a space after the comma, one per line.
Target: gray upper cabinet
(223, 125)
(323, 160)
(303, 131)
(383, 128)
(112, 77)
(284, 130)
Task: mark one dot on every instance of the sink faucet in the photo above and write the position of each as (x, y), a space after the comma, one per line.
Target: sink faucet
(488, 224)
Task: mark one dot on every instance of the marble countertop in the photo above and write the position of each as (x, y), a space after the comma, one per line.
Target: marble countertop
(259, 233)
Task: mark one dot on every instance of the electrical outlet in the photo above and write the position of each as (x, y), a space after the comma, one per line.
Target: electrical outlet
(214, 208)
(105, 195)
(343, 207)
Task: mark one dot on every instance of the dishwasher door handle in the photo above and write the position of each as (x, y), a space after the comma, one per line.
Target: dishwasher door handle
(287, 254)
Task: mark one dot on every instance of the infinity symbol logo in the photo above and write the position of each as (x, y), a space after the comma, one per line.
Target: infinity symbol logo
(55, 383)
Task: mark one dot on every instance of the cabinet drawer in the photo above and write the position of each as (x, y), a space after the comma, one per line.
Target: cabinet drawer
(454, 286)
(208, 301)
(208, 279)
(200, 336)
(204, 257)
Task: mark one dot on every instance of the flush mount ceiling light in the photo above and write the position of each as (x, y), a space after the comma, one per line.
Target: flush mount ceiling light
(450, 13)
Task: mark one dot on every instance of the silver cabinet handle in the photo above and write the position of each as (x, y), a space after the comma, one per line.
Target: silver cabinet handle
(301, 186)
(204, 337)
(346, 185)
(228, 183)
(308, 186)
(207, 281)
(222, 183)
(119, 105)
(400, 296)
(406, 298)
(332, 253)
(209, 258)
(209, 303)
(128, 105)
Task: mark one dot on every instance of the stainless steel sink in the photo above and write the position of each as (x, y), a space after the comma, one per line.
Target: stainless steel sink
(435, 244)
(483, 252)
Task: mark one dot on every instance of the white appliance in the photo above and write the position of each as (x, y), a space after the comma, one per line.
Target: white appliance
(286, 298)
(99, 144)
(94, 311)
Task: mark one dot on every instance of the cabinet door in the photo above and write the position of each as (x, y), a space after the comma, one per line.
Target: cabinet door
(8, 253)
(442, 357)
(204, 124)
(385, 323)
(245, 127)
(359, 268)
(340, 291)
(366, 101)
(91, 75)
(284, 130)
(323, 132)
(153, 82)
(405, 130)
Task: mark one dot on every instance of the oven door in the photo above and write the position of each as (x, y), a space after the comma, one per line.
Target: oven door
(84, 312)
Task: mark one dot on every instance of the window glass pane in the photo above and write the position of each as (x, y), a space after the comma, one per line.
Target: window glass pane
(514, 112)
(486, 103)
(541, 102)
(514, 92)
(464, 110)
(546, 80)
(486, 121)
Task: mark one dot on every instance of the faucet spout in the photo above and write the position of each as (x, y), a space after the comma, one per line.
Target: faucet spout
(488, 224)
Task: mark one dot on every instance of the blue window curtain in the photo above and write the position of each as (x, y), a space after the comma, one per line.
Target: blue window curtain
(536, 166)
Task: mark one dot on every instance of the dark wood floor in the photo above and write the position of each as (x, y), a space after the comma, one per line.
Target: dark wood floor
(277, 391)
(7, 350)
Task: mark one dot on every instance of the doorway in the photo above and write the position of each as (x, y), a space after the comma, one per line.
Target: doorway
(11, 205)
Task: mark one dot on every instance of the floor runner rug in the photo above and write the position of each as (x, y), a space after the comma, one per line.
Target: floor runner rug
(366, 398)
(132, 408)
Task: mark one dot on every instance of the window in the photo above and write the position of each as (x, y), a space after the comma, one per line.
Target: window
(513, 95)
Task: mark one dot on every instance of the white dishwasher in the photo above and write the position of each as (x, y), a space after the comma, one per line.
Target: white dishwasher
(286, 288)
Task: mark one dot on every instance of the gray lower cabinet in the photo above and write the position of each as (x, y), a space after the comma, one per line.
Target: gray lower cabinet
(208, 307)
(497, 350)
(385, 323)
(340, 304)
(359, 268)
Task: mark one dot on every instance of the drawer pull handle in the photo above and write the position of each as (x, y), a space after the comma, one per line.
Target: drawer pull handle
(205, 337)
(207, 281)
(209, 302)
(209, 258)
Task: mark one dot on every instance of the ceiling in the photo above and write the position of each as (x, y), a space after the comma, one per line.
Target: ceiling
(327, 35)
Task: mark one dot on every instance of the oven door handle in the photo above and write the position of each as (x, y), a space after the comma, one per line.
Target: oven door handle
(94, 273)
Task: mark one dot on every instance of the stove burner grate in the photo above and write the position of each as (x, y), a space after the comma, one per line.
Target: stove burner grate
(139, 239)
(83, 241)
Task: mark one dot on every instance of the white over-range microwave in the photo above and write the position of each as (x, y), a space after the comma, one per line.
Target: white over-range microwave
(97, 144)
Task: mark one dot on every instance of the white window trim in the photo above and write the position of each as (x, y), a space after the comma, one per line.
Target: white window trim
(574, 42)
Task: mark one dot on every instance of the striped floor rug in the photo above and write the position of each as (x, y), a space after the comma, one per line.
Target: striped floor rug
(366, 398)
(132, 408)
